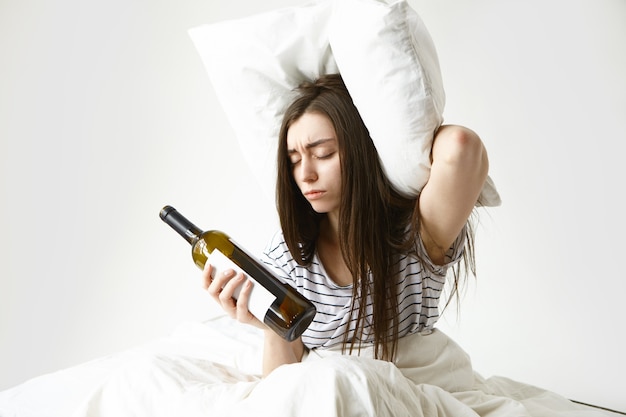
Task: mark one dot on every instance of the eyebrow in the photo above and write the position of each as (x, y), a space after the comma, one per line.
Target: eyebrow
(313, 144)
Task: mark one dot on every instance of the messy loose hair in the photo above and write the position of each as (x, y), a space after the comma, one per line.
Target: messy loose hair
(373, 217)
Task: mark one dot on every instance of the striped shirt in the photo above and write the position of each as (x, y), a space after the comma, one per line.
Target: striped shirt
(419, 290)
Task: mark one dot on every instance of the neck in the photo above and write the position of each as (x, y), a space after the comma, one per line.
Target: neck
(329, 230)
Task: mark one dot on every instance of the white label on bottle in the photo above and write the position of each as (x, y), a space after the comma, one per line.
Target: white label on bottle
(260, 298)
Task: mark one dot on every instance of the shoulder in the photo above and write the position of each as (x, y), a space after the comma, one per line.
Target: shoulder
(276, 246)
(277, 258)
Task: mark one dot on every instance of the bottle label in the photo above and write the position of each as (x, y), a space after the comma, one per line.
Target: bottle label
(260, 299)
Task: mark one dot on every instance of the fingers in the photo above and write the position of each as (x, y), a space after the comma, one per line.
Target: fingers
(206, 275)
(243, 314)
(214, 282)
(229, 292)
(224, 287)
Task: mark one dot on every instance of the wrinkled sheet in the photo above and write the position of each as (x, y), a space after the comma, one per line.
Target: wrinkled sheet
(213, 369)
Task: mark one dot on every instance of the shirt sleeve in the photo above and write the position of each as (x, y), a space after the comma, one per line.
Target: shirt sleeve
(277, 258)
(453, 254)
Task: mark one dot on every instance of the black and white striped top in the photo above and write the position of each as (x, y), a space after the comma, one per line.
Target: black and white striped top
(419, 291)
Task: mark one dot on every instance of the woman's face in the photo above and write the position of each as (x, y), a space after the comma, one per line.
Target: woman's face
(314, 153)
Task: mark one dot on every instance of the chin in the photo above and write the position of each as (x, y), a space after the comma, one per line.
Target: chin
(323, 208)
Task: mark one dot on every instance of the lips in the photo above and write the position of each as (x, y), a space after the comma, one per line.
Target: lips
(313, 194)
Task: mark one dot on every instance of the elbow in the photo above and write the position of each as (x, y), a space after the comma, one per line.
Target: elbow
(461, 148)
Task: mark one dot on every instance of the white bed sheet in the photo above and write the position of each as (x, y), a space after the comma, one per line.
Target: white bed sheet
(213, 369)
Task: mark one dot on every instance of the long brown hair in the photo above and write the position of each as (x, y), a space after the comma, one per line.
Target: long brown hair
(373, 217)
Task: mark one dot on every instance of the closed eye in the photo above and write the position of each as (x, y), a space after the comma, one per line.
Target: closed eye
(320, 149)
(325, 156)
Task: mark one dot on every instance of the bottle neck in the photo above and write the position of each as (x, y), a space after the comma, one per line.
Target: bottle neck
(190, 232)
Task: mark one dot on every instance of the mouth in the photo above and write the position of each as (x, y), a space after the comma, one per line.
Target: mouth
(313, 194)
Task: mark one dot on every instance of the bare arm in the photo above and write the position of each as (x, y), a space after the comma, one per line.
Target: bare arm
(458, 172)
(277, 352)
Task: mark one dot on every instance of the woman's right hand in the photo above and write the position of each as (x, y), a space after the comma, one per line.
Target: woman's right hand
(277, 351)
(222, 288)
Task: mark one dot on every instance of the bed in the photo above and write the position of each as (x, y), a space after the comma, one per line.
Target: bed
(212, 368)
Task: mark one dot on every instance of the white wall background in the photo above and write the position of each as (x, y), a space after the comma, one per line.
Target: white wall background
(106, 115)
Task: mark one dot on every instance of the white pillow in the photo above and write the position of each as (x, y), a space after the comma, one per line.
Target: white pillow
(383, 52)
(389, 64)
(254, 63)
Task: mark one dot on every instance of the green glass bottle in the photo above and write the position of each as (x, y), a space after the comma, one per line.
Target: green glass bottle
(278, 305)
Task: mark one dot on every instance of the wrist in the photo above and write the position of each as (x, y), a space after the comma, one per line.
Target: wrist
(271, 337)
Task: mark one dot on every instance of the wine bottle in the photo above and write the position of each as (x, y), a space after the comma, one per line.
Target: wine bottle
(276, 304)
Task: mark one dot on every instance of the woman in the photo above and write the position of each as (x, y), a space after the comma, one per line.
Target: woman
(372, 261)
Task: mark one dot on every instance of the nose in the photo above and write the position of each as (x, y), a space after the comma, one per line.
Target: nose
(306, 170)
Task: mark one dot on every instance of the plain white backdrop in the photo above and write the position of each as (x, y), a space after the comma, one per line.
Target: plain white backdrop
(106, 115)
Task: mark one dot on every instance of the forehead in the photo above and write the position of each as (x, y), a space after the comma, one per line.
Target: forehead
(308, 128)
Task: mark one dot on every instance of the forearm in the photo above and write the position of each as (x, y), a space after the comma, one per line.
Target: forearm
(277, 352)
